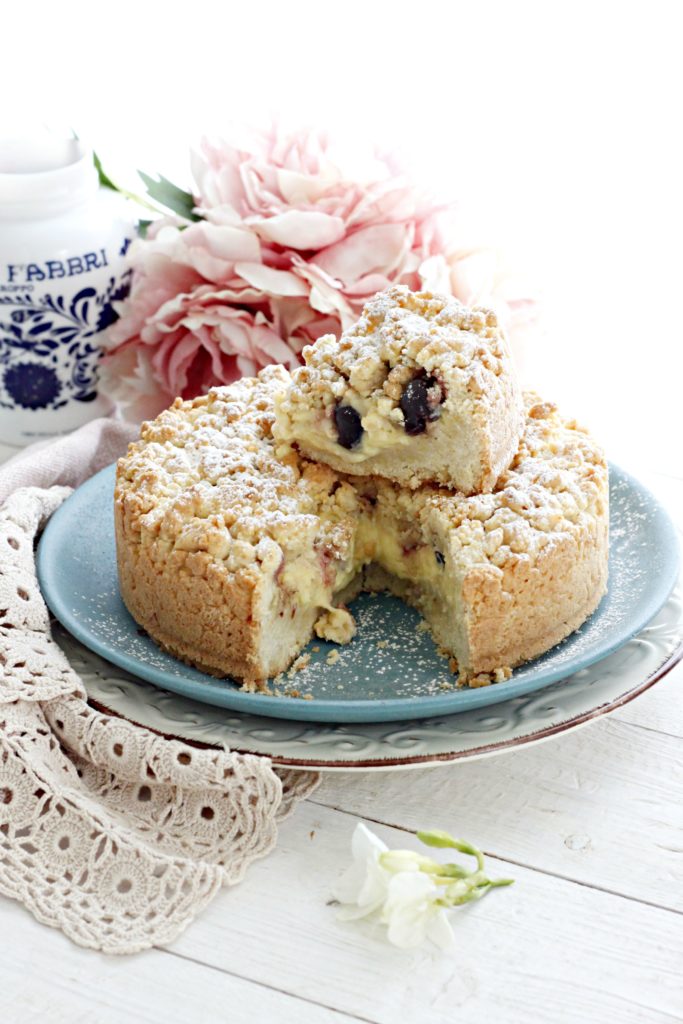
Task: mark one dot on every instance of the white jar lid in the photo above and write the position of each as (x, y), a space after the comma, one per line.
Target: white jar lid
(43, 175)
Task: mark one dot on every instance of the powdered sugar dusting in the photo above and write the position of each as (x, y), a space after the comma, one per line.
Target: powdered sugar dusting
(391, 658)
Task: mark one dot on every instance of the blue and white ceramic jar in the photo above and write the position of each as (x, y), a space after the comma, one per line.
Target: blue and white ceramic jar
(62, 243)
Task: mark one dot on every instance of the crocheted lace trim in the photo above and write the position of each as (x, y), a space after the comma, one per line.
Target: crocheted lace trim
(112, 833)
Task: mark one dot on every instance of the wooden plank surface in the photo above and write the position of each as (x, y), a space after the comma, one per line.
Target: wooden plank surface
(601, 806)
(45, 979)
(545, 950)
(580, 954)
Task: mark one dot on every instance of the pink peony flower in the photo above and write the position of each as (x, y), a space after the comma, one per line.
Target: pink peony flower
(290, 246)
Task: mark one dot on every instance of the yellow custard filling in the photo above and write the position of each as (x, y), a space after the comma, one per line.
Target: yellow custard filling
(382, 426)
(382, 543)
(379, 540)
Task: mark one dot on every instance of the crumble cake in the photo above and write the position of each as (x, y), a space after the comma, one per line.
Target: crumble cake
(231, 555)
(420, 389)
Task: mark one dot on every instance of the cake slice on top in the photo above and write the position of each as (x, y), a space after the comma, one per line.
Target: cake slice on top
(420, 389)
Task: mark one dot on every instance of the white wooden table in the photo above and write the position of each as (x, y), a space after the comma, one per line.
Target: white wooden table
(590, 826)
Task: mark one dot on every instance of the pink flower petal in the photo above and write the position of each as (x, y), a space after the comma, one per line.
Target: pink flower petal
(298, 188)
(215, 169)
(367, 286)
(223, 241)
(293, 240)
(270, 281)
(435, 275)
(223, 215)
(473, 276)
(299, 229)
(365, 250)
(272, 349)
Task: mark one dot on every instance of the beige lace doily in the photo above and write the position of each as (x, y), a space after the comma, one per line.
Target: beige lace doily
(114, 834)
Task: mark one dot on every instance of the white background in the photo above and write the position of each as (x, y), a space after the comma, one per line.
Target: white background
(562, 123)
(559, 123)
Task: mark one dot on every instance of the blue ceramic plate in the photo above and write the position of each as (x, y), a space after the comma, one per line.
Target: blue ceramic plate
(390, 671)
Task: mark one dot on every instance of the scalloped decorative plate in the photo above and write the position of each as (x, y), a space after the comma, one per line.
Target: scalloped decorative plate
(390, 672)
(520, 721)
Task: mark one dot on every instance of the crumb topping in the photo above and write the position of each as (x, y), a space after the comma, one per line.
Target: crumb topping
(204, 479)
(414, 367)
(399, 333)
(556, 484)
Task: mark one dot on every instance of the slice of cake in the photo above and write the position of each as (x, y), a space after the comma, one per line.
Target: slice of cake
(502, 577)
(227, 555)
(230, 556)
(420, 389)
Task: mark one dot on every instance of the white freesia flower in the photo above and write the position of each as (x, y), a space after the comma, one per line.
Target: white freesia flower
(363, 889)
(412, 913)
(409, 892)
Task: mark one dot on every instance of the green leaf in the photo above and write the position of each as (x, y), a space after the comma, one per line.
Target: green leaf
(169, 195)
(142, 227)
(104, 179)
(106, 182)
